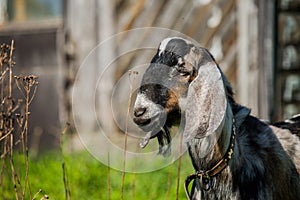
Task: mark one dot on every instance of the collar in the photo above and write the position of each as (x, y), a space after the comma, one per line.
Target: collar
(205, 176)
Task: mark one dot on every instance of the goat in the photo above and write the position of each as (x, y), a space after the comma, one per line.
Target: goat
(234, 154)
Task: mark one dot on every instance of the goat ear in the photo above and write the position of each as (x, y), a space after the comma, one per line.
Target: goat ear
(206, 103)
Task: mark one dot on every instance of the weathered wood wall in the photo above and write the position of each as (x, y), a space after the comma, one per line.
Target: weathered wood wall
(230, 29)
(211, 23)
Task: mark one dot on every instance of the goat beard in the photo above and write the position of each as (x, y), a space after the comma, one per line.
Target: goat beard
(163, 138)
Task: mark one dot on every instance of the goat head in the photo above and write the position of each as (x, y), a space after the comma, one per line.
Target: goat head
(183, 83)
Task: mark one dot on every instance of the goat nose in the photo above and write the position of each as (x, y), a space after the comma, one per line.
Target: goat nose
(139, 111)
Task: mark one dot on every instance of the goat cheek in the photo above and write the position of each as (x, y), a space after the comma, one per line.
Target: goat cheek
(172, 102)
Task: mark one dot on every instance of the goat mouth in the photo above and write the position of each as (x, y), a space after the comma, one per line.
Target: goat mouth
(164, 140)
(141, 121)
(145, 140)
(155, 127)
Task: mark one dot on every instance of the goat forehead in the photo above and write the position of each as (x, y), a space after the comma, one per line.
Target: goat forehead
(161, 78)
(156, 74)
(177, 45)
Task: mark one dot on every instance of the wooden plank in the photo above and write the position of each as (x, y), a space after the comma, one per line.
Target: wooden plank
(135, 13)
(243, 58)
(226, 10)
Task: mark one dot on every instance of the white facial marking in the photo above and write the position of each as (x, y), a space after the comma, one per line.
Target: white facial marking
(164, 43)
(142, 101)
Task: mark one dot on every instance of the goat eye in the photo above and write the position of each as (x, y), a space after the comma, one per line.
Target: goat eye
(181, 65)
(184, 73)
(182, 70)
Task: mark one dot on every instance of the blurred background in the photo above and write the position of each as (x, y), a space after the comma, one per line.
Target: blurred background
(256, 43)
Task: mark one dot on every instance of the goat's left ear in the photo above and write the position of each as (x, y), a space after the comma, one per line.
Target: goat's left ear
(206, 102)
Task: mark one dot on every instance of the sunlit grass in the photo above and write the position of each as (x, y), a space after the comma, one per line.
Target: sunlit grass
(88, 179)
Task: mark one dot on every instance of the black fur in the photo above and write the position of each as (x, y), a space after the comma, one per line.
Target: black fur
(259, 168)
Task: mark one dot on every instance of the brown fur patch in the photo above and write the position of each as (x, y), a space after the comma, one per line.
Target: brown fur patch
(172, 102)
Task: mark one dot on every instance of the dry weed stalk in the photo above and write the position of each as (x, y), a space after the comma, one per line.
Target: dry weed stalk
(63, 164)
(168, 184)
(131, 80)
(179, 167)
(108, 176)
(14, 118)
(37, 195)
(27, 85)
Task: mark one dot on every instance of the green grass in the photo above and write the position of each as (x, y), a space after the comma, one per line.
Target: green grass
(88, 179)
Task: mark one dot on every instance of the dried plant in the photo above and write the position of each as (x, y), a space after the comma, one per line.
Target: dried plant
(63, 164)
(131, 80)
(14, 118)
